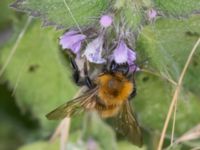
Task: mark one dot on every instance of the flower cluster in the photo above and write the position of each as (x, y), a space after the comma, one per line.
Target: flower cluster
(94, 49)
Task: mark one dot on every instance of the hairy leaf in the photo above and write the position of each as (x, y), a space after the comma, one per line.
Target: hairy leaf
(168, 43)
(63, 13)
(178, 7)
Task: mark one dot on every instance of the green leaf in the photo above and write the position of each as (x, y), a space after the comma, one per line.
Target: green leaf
(192, 77)
(10, 138)
(127, 146)
(178, 7)
(63, 13)
(41, 145)
(7, 16)
(96, 129)
(152, 104)
(167, 43)
(175, 147)
(37, 72)
(55, 145)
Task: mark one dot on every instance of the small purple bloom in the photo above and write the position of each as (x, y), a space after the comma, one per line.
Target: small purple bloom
(106, 21)
(72, 40)
(93, 51)
(123, 54)
(152, 13)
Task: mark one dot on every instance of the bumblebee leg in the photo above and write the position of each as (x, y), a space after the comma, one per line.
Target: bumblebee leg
(76, 73)
(88, 81)
(134, 92)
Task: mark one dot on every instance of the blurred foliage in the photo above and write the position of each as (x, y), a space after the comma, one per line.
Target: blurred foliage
(42, 145)
(38, 77)
(126, 146)
(30, 71)
(93, 124)
(7, 14)
(14, 126)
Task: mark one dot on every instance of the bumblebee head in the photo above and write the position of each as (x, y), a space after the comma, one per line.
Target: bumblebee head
(122, 68)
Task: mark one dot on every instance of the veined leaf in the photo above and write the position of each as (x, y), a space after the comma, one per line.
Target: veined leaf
(63, 13)
(168, 43)
(152, 104)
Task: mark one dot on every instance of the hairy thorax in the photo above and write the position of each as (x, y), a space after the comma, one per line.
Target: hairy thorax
(114, 88)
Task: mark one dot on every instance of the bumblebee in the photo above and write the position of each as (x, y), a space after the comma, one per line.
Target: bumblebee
(109, 94)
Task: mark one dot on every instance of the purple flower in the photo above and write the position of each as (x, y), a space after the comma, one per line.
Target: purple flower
(93, 51)
(72, 40)
(123, 54)
(152, 13)
(106, 21)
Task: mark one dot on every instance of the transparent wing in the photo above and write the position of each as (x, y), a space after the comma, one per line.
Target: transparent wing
(127, 125)
(75, 106)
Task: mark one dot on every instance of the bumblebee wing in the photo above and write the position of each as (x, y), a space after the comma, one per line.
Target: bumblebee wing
(127, 125)
(75, 106)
